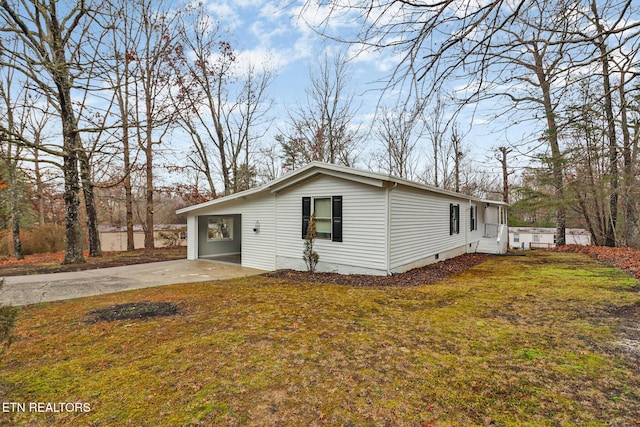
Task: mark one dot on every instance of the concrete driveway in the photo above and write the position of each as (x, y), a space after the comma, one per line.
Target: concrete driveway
(23, 290)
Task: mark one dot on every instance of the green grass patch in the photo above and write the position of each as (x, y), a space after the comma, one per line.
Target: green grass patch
(514, 341)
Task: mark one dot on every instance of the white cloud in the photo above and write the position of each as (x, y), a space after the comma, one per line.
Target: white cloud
(223, 12)
(260, 57)
(272, 11)
(265, 32)
(480, 122)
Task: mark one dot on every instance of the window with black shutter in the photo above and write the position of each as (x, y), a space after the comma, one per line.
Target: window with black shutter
(454, 219)
(327, 212)
(306, 215)
(473, 218)
(336, 219)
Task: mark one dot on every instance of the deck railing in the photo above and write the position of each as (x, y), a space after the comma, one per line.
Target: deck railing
(491, 230)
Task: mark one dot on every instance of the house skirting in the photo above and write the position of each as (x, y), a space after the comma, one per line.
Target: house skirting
(288, 263)
(444, 255)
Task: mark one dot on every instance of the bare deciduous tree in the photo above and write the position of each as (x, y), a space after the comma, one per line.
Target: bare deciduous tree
(227, 105)
(324, 129)
(399, 131)
(530, 53)
(49, 37)
(155, 61)
(10, 152)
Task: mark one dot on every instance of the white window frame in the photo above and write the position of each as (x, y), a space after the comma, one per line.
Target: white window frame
(329, 219)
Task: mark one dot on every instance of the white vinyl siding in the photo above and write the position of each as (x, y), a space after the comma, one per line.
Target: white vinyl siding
(192, 237)
(420, 225)
(363, 243)
(259, 249)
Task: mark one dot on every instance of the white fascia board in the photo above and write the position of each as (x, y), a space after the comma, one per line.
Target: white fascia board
(493, 202)
(221, 200)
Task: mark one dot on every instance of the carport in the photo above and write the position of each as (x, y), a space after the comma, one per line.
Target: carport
(220, 238)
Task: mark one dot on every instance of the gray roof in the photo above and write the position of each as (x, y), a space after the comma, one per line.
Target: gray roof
(316, 168)
(546, 230)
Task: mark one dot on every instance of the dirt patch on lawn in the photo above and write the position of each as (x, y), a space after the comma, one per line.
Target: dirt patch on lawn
(629, 329)
(132, 311)
(418, 276)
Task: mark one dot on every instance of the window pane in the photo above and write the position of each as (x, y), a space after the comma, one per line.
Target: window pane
(322, 208)
(323, 228)
(220, 229)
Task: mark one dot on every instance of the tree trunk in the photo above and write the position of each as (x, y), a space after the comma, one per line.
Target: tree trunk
(90, 205)
(71, 143)
(73, 248)
(71, 140)
(128, 196)
(126, 153)
(39, 189)
(455, 142)
(148, 232)
(612, 220)
(629, 176)
(123, 104)
(15, 211)
(557, 160)
(149, 242)
(11, 162)
(505, 174)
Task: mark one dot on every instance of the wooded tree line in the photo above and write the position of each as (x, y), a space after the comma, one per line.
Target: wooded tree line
(92, 92)
(568, 68)
(118, 79)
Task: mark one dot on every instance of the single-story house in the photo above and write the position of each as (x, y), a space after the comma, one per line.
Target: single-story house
(367, 223)
(539, 237)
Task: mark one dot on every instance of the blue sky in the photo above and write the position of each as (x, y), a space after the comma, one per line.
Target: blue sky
(277, 33)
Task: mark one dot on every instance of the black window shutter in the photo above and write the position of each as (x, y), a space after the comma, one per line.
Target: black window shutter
(450, 219)
(472, 218)
(306, 215)
(336, 219)
(475, 217)
(454, 219)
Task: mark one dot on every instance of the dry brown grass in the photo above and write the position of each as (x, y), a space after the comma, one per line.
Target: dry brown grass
(513, 341)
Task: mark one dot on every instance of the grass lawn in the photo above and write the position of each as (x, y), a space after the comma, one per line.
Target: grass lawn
(514, 341)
